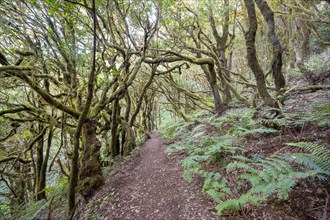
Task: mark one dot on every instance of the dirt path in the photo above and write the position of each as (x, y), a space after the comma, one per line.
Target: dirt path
(149, 187)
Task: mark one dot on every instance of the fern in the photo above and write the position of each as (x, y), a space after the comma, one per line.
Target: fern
(237, 120)
(238, 204)
(192, 164)
(303, 159)
(192, 161)
(230, 204)
(196, 151)
(216, 187)
(255, 178)
(276, 176)
(320, 156)
(278, 163)
(320, 114)
(269, 176)
(198, 130)
(241, 158)
(237, 165)
(177, 130)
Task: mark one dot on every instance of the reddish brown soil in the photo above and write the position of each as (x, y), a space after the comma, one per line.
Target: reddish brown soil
(151, 187)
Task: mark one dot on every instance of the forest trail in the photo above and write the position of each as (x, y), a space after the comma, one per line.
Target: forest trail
(151, 187)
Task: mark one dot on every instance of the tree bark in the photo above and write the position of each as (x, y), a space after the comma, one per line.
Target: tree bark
(40, 192)
(277, 62)
(250, 36)
(90, 175)
(219, 107)
(305, 50)
(115, 145)
(42, 162)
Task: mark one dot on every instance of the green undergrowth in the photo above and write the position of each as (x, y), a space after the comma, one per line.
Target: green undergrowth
(40, 209)
(216, 149)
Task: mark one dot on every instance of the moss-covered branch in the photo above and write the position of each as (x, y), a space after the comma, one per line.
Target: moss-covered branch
(15, 110)
(190, 94)
(15, 68)
(172, 69)
(36, 139)
(11, 133)
(44, 94)
(317, 35)
(144, 90)
(180, 57)
(6, 159)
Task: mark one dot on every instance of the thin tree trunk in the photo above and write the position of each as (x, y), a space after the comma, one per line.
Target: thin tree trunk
(221, 49)
(41, 185)
(40, 193)
(305, 50)
(250, 36)
(219, 108)
(115, 145)
(277, 62)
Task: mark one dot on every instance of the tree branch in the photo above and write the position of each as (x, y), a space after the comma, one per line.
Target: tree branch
(6, 159)
(36, 139)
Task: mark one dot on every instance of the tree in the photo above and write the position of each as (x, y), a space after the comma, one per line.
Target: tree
(83, 81)
(250, 36)
(277, 63)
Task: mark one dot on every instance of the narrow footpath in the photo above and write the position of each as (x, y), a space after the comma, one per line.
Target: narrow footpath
(149, 187)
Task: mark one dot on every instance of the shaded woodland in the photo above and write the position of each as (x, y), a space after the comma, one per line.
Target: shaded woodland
(232, 85)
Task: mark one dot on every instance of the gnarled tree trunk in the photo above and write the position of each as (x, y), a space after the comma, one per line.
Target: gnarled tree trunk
(250, 36)
(277, 62)
(90, 175)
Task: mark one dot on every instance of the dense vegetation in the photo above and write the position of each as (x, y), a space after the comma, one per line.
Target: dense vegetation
(84, 82)
(243, 161)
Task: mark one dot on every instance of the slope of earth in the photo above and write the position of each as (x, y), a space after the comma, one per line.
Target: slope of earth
(302, 121)
(149, 187)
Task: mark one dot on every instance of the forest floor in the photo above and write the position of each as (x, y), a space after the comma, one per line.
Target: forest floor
(149, 186)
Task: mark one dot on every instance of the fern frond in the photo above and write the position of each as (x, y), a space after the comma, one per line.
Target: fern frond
(268, 174)
(320, 155)
(268, 171)
(250, 199)
(187, 175)
(320, 114)
(278, 164)
(237, 165)
(238, 204)
(196, 151)
(303, 159)
(230, 204)
(214, 194)
(189, 162)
